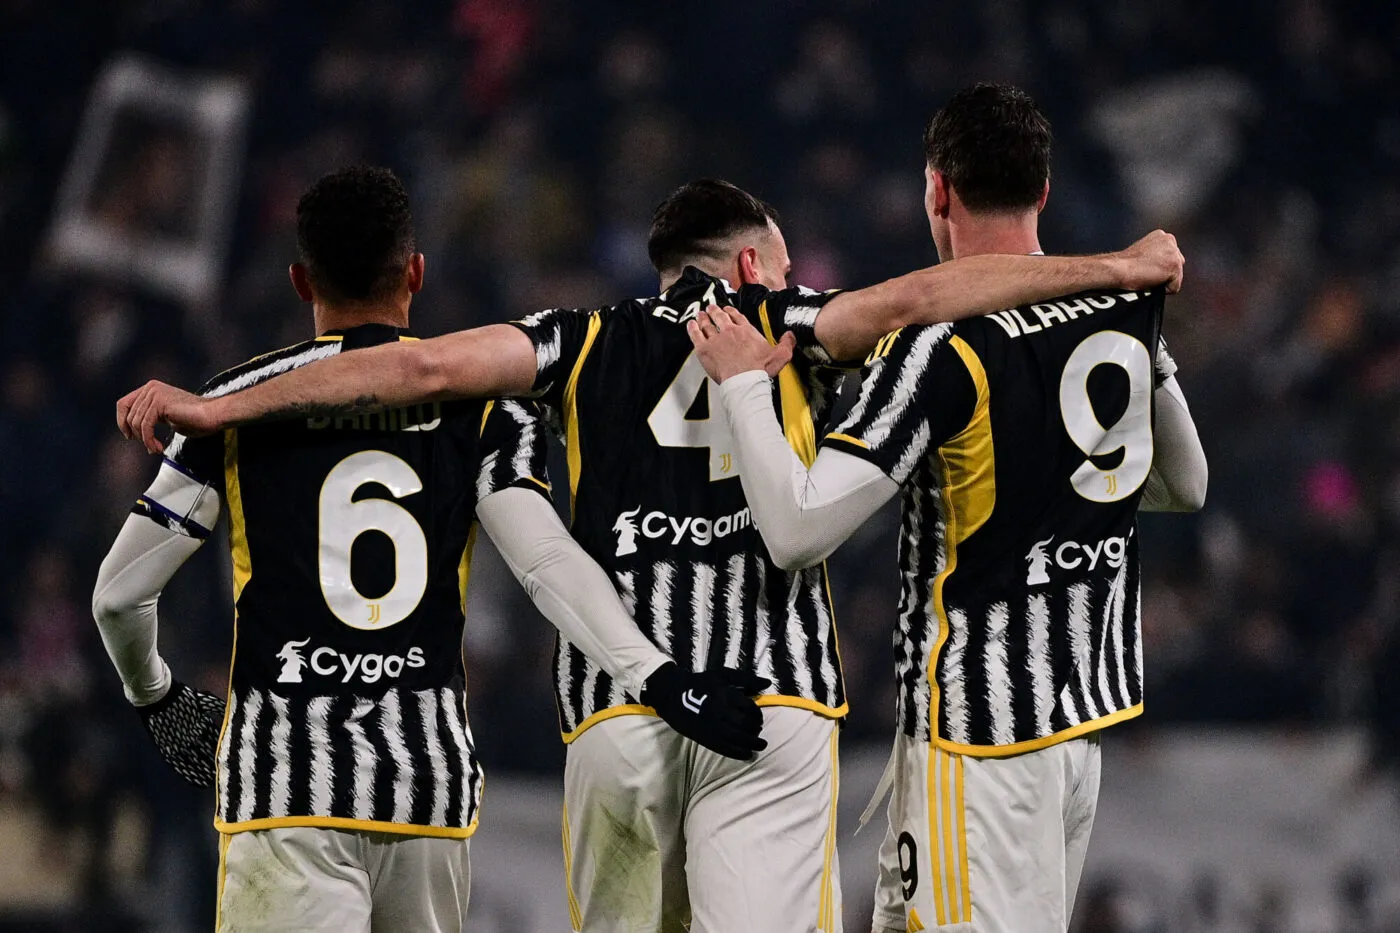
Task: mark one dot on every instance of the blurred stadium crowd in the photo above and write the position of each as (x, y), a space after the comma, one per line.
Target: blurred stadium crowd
(537, 135)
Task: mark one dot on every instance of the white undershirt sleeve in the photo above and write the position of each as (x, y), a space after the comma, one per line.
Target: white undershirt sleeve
(1177, 482)
(141, 562)
(803, 514)
(568, 586)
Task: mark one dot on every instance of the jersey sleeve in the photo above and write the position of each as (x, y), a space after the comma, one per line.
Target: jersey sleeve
(512, 449)
(793, 309)
(560, 336)
(916, 393)
(186, 493)
(1163, 365)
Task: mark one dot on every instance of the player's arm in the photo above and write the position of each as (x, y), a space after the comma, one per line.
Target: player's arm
(851, 323)
(476, 363)
(577, 596)
(805, 513)
(169, 524)
(1179, 476)
(568, 586)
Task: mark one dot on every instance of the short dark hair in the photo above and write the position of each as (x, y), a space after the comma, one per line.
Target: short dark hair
(695, 217)
(355, 233)
(992, 143)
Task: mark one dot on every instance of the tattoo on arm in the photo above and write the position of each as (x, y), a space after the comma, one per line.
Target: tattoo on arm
(309, 409)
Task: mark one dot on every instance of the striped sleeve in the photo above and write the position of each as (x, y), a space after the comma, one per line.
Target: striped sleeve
(795, 309)
(512, 446)
(915, 394)
(559, 336)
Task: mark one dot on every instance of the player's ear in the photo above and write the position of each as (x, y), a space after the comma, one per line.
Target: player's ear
(415, 273)
(941, 192)
(301, 280)
(750, 271)
(1044, 196)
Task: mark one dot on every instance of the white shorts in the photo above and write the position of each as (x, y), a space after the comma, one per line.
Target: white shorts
(661, 835)
(991, 845)
(306, 879)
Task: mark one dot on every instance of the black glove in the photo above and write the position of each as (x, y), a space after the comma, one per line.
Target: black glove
(714, 708)
(185, 726)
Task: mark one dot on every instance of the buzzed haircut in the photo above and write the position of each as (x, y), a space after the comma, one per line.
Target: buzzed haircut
(695, 220)
(355, 233)
(992, 144)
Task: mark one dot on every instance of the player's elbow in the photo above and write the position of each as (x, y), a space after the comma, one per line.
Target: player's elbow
(426, 370)
(1191, 487)
(1187, 493)
(1192, 496)
(792, 554)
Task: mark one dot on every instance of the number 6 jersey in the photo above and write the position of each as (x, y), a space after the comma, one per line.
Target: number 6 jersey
(1022, 440)
(351, 540)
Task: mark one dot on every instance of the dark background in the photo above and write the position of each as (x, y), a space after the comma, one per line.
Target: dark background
(535, 139)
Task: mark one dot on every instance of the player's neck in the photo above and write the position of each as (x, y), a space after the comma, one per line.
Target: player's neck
(1004, 233)
(329, 318)
(718, 270)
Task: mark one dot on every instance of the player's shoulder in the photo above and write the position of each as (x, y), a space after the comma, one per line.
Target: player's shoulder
(914, 343)
(266, 365)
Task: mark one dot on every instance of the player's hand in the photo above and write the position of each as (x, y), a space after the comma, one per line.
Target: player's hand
(185, 726)
(714, 708)
(728, 344)
(1151, 261)
(139, 412)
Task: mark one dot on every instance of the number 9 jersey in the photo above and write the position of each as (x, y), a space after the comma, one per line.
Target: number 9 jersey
(1022, 440)
(351, 541)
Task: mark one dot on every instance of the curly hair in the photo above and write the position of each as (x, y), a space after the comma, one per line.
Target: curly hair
(355, 233)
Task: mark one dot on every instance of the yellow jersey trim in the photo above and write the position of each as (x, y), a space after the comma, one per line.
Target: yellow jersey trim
(837, 436)
(962, 844)
(811, 706)
(574, 456)
(639, 709)
(950, 866)
(935, 854)
(883, 346)
(219, 887)
(826, 909)
(464, 568)
(242, 573)
(575, 913)
(540, 483)
(1035, 745)
(338, 822)
(485, 413)
(797, 413)
(612, 712)
(969, 496)
(237, 530)
(328, 338)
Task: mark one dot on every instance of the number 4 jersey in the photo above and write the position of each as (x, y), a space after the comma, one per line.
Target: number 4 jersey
(657, 501)
(351, 540)
(1022, 440)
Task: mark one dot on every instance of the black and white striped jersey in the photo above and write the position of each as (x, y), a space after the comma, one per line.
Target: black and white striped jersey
(1023, 441)
(351, 541)
(656, 497)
